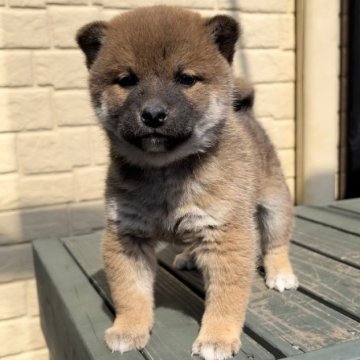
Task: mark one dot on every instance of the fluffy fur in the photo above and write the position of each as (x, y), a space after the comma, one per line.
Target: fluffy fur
(208, 178)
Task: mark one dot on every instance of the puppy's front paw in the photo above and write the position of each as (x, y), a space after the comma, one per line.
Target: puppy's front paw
(184, 261)
(214, 349)
(282, 281)
(126, 338)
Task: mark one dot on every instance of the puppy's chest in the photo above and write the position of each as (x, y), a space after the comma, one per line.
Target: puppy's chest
(168, 207)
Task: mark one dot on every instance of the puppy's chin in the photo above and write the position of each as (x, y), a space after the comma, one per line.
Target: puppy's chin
(154, 144)
(158, 155)
(157, 143)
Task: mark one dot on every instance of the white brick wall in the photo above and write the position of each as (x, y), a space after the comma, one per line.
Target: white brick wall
(52, 154)
(24, 29)
(15, 68)
(25, 109)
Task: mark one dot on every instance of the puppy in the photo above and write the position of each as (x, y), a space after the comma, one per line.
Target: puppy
(189, 164)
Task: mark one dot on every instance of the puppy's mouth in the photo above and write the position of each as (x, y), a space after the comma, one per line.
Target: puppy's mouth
(157, 143)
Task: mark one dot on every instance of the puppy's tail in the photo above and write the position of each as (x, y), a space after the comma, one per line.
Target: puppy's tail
(243, 95)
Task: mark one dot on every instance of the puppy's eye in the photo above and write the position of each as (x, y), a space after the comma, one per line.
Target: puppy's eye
(187, 80)
(126, 81)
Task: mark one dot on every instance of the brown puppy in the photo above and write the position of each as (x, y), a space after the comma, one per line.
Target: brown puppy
(189, 164)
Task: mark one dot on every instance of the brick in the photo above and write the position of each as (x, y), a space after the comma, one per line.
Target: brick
(99, 146)
(86, 217)
(53, 151)
(9, 192)
(20, 335)
(76, 145)
(257, 6)
(67, 2)
(290, 6)
(32, 302)
(7, 153)
(25, 109)
(260, 30)
(275, 100)
(11, 229)
(42, 354)
(27, 3)
(267, 124)
(65, 21)
(281, 132)
(45, 190)
(15, 68)
(30, 224)
(23, 29)
(42, 153)
(287, 159)
(133, 3)
(90, 183)
(15, 263)
(109, 14)
(287, 31)
(211, 12)
(12, 300)
(73, 108)
(284, 134)
(60, 68)
(262, 65)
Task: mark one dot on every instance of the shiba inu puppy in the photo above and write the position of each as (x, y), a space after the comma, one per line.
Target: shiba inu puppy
(189, 164)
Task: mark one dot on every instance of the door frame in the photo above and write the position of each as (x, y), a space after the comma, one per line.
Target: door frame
(317, 100)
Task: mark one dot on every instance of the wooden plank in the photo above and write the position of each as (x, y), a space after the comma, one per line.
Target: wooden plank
(73, 315)
(352, 205)
(292, 320)
(332, 281)
(253, 326)
(346, 351)
(328, 241)
(303, 322)
(336, 218)
(178, 310)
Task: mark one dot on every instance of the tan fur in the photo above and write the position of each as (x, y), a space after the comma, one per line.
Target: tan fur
(277, 261)
(220, 193)
(133, 276)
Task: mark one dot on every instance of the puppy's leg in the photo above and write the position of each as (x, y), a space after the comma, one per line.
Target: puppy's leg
(185, 260)
(227, 264)
(130, 268)
(275, 217)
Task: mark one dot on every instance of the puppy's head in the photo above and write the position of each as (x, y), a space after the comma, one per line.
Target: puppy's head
(160, 81)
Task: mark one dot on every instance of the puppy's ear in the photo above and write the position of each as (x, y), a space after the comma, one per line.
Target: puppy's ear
(224, 31)
(90, 39)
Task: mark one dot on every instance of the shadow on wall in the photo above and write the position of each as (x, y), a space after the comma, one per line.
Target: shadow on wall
(21, 227)
(43, 166)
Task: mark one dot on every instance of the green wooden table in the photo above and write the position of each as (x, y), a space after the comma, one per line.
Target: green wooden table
(321, 320)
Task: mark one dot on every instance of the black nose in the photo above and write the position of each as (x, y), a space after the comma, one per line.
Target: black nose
(154, 116)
